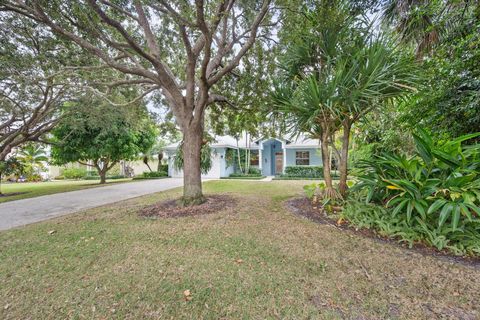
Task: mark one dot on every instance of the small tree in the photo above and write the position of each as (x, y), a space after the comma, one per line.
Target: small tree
(9, 166)
(102, 136)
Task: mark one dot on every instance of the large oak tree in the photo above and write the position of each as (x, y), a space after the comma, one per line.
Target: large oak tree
(179, 49)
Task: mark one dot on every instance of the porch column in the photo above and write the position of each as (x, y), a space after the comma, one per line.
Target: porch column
(284, 159)
(260, 159)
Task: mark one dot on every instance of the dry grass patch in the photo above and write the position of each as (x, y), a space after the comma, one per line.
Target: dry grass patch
(254, 261)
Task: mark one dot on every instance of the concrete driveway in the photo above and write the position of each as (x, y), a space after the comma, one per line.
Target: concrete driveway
(22, 212)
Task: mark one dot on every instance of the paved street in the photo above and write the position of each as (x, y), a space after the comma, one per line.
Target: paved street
(22, 212)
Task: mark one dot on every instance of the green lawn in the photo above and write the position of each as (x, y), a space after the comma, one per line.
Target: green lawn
(35, 189)
(255, 261)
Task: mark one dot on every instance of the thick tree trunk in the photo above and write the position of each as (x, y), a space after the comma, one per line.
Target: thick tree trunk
(192, 181)
(103, 177)
(343, 167)
(102, 170)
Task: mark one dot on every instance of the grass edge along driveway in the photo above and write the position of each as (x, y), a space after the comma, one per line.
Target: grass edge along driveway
(36, 189)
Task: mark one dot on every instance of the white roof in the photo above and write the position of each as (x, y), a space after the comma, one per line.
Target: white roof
(299, 141)
(302, 141)
(219, 142)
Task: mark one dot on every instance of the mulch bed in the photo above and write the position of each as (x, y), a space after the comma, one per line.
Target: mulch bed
(171, 208)
(303, 207)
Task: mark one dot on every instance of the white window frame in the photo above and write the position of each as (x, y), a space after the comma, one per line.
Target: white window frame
(302, 158)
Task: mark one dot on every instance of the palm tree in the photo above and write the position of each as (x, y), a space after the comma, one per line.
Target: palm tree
(336, 73)
(413, 20)
(305, 92)
(155, 151)
(424, 23)
(371, 74)
(32, 157)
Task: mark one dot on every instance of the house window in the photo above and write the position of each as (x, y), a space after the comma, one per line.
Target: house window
(254, 158)
(302, 158)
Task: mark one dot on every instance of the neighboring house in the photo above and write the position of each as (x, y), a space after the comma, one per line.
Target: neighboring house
(137, 167)
(270, 155)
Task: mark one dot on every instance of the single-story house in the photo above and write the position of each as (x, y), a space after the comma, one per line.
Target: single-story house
(269, 155)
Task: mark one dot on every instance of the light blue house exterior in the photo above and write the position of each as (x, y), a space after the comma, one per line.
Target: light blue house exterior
(270, 155)
(276, 154)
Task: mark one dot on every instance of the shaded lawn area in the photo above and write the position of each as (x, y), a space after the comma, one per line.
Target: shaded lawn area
(256, 261)
(35, 189)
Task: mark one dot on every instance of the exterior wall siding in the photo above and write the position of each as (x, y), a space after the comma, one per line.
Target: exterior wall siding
(224, 170)
(139, 167)
(218, 165)
(315, 157)
(270, 147)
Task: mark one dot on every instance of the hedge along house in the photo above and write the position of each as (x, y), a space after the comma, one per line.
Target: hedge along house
(270, 155)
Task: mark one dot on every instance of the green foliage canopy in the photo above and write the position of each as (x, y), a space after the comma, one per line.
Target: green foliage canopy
(96, 130)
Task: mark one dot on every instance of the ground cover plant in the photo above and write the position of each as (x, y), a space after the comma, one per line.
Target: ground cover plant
(432, 196)
(256, 260)
(252, 173)
(152, 175)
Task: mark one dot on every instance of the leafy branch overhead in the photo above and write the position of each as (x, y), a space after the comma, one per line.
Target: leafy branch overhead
(171, 47)
(177, 50)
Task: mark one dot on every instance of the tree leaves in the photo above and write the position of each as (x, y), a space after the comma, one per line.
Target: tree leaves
(437, 185)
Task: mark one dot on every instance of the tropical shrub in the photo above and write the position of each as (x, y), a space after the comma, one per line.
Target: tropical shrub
(304, 171)
(74, 173)
(33, 159)
(11, 166)
(372, 216)
(163, 168)
(34, 177)
(254, 171)
(205, 158)
(154, 174)
(310, 190)
(435, 192)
